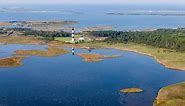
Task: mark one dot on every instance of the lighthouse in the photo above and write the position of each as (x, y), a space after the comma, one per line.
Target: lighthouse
(73, 35)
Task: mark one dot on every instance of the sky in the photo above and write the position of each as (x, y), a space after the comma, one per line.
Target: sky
(182, 2)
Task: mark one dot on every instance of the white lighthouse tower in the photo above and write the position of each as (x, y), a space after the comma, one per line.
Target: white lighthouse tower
(73, 35)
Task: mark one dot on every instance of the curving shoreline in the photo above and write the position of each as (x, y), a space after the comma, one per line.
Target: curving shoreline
(159, 61)
(138, 48)
(172, 60)
(13, 61)
(173, 95)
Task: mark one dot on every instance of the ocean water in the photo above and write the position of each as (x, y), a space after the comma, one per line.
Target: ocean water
(68, 81)
(95, 15)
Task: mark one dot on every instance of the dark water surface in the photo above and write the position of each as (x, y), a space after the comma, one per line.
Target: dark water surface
(68, 81)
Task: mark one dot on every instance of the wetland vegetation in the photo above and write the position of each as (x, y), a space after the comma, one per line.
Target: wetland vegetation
(173, 95)
(52, 51)
(95, 57)
(11, 61)
(131, 90)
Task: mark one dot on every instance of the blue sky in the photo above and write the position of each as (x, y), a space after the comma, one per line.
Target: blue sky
(93, 1)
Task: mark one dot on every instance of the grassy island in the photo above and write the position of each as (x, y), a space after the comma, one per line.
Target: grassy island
(21, 40)
(52, 51)
(131, 90)
(173, 95)
(95, 57)
(11, 61)
(20, 55)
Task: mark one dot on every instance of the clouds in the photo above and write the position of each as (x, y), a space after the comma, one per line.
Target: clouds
(92, 1)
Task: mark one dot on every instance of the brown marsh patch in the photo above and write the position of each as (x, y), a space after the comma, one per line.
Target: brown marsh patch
(95, 57)
(131, 90)
(11, 61)
(52, 51)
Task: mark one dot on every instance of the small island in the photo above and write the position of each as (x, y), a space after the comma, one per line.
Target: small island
(52, 51)
(95, 57)
(11, 61)
(22, 54)
(131, 90)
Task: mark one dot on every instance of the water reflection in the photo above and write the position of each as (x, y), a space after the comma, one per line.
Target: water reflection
(89, 49)
(73, 51)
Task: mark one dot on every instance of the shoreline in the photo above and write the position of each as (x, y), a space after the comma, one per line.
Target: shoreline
(171, 94)
(118, 47)
(164, 58)
(154, 57)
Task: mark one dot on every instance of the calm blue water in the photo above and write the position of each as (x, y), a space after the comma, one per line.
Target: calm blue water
(94, 15)
(67, 81)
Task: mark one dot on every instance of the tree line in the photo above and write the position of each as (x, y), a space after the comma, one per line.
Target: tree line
(38, 33)
(163, 38)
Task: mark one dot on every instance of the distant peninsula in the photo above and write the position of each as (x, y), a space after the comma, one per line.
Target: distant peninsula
(149, 12)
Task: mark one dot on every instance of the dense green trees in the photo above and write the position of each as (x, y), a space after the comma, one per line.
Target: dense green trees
(164, 38)
(46, 34)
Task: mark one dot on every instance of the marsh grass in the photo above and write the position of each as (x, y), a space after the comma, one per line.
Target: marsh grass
(95, 57)
(63, 39)
(52, 51)
(11, 61)
(173, 95)
(131, 90)
(169, 58)
(21, 40)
